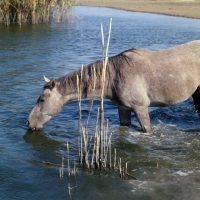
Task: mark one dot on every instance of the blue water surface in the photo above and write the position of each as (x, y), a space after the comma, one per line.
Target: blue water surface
(166, 164)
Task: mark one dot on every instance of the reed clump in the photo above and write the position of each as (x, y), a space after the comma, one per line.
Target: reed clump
(94, 154)
(99, 145)
(33, 11)
(95, 151)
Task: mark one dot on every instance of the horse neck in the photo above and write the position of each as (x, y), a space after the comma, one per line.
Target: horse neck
(86, 83)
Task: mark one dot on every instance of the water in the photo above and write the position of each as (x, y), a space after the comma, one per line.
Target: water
(166, 164)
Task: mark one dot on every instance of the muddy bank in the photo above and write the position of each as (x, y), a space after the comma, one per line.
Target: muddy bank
(189, 9)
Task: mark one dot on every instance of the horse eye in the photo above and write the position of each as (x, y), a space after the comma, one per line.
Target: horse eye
(41, 100)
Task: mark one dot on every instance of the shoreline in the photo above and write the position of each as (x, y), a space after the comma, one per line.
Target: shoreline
(189, 9)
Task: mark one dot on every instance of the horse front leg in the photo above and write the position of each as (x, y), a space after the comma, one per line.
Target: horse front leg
(124, 117)
(143, 118)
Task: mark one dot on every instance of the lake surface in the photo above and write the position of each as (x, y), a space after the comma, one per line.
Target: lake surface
(166, 164)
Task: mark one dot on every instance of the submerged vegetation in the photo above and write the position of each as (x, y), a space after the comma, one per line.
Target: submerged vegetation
(33, 11)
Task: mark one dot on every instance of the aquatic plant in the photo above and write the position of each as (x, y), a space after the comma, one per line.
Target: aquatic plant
(33, 11)
(95, 151)
(101, 145)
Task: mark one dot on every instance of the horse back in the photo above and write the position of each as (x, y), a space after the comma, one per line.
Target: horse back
(167, 76)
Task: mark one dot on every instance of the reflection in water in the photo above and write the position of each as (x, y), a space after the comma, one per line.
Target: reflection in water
(40, 140)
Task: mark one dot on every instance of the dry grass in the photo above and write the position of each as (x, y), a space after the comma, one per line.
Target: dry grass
(33, 11)
(95, 151)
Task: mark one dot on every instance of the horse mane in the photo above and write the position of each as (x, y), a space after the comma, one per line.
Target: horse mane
(69, 81)
(119, 62)
(114, 70)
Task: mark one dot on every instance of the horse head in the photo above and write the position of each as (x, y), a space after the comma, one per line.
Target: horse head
(48, 105)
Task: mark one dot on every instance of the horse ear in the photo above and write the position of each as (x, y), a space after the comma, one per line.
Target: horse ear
(52, 83)
(46, 79)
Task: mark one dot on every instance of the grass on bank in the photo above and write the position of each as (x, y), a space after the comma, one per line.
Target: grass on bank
(33, 11)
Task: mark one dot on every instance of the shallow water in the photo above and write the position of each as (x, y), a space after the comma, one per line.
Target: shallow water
(166, 164)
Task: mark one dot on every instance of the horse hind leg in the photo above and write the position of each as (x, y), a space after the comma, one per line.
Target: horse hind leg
(196, 98)
(124, 117)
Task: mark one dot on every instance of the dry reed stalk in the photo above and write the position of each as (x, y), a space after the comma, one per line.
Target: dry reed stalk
(92, 95)
(110, 163)
(107, 132)
(108, 150)
(102, 37)
(102, 93)
(91, 148)
(62, 167)
(105, 138)
(81, 80)
(75, 174)
(85, 141)
(104, 143)
(93, 151)
(69, 190)
(131, 176)
(61, 170)
(74, 167)
(115, 153)
(95, 154)
(60, 173)
(122, 170)
(68, 159)
(103, 76)
(71, 174)
(79, 93)
(108, 41)
(97, 120)
(79, 149)
(97, 158)
(120, 167)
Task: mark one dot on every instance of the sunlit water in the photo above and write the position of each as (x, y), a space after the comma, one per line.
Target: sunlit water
(166, 164)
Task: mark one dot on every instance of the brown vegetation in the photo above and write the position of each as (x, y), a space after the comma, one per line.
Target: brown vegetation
(32, 11)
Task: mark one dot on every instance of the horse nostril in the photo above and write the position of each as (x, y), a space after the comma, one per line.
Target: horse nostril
(27, 122)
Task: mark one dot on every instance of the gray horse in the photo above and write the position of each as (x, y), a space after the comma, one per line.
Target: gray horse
(135, 80)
